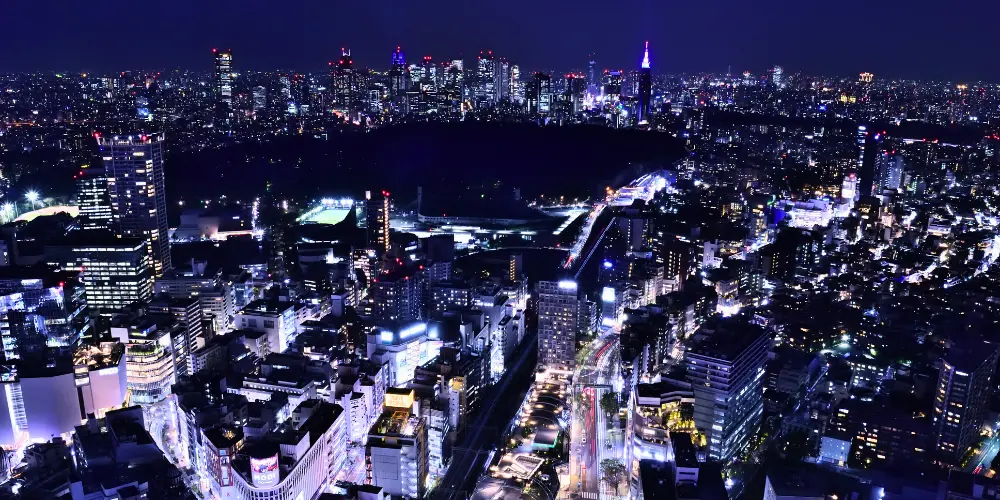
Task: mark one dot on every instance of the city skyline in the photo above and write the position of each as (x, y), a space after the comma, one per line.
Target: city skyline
(799, 38)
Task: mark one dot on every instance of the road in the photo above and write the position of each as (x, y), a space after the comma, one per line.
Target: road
(597, 375)
(494, 417)
(980, 462)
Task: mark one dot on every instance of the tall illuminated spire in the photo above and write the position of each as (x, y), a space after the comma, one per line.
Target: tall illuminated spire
(645, 57)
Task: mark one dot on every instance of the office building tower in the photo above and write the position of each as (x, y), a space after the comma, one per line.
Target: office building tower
(344, 83)
(503, 79)
(377, 220)
(612, 82)
(454, 81)
(559, 321)
(726, 371)
(223, 76)
(540, 95)
(645, 87)
(486, 80)
(134, 167)
(778, 77)
(964, 389)
(114, 272)
(866, 77)
(516, 85)
(888, 172)
(186, 313)
(93, 199)
(576, 86)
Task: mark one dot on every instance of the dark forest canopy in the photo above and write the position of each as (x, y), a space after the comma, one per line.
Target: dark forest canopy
(570, 160)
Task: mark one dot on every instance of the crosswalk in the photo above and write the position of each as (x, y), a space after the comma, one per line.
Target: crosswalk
(589, 495)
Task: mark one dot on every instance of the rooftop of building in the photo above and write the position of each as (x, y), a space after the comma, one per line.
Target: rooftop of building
(266, 307)
(396, 423)
(98, 358)
(726, 338)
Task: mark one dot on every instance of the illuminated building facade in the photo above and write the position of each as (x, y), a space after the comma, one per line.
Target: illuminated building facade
(114, 272)
(224, 75)
(134, 167)
(377, 220)
(297, 460)
(396, 455)
(645, 87)
(93, 199)
(344, 83)
(726, 371)
(963, 394)
(558, 323)
(540, 95)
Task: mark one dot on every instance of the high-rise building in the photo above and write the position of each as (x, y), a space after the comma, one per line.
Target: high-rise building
(93, 199)
(963, 394)
(186, 312)
(398, 80)
(134, 167)
(593, 84)
(645, 87)
(223, 76)
(398, 295)
(540, 95)
(612, 82)
(888, 172)
(377, 219)
(115, 272)
(778, 77)
(516, 85)
(486, 80)
(726, 371)
(576, 86)
(559, 321)
(344, 82)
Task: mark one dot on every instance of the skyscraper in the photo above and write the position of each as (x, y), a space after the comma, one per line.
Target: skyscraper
(516, 85)
(963, 394)
(134, 167)
(398, 80)
(645, 87)
(593, 84)
(93, 199)
(344, 82)
(778, 77)
(377, 219)
(726, 370)
(540, 95)
(558, 324)
(575, 88)
(486, 79)
(224, 76)
(888, 172)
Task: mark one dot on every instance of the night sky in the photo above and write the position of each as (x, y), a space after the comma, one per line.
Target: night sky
(892, 38)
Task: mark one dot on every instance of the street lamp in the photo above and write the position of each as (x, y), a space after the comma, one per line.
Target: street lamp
(32, 196)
